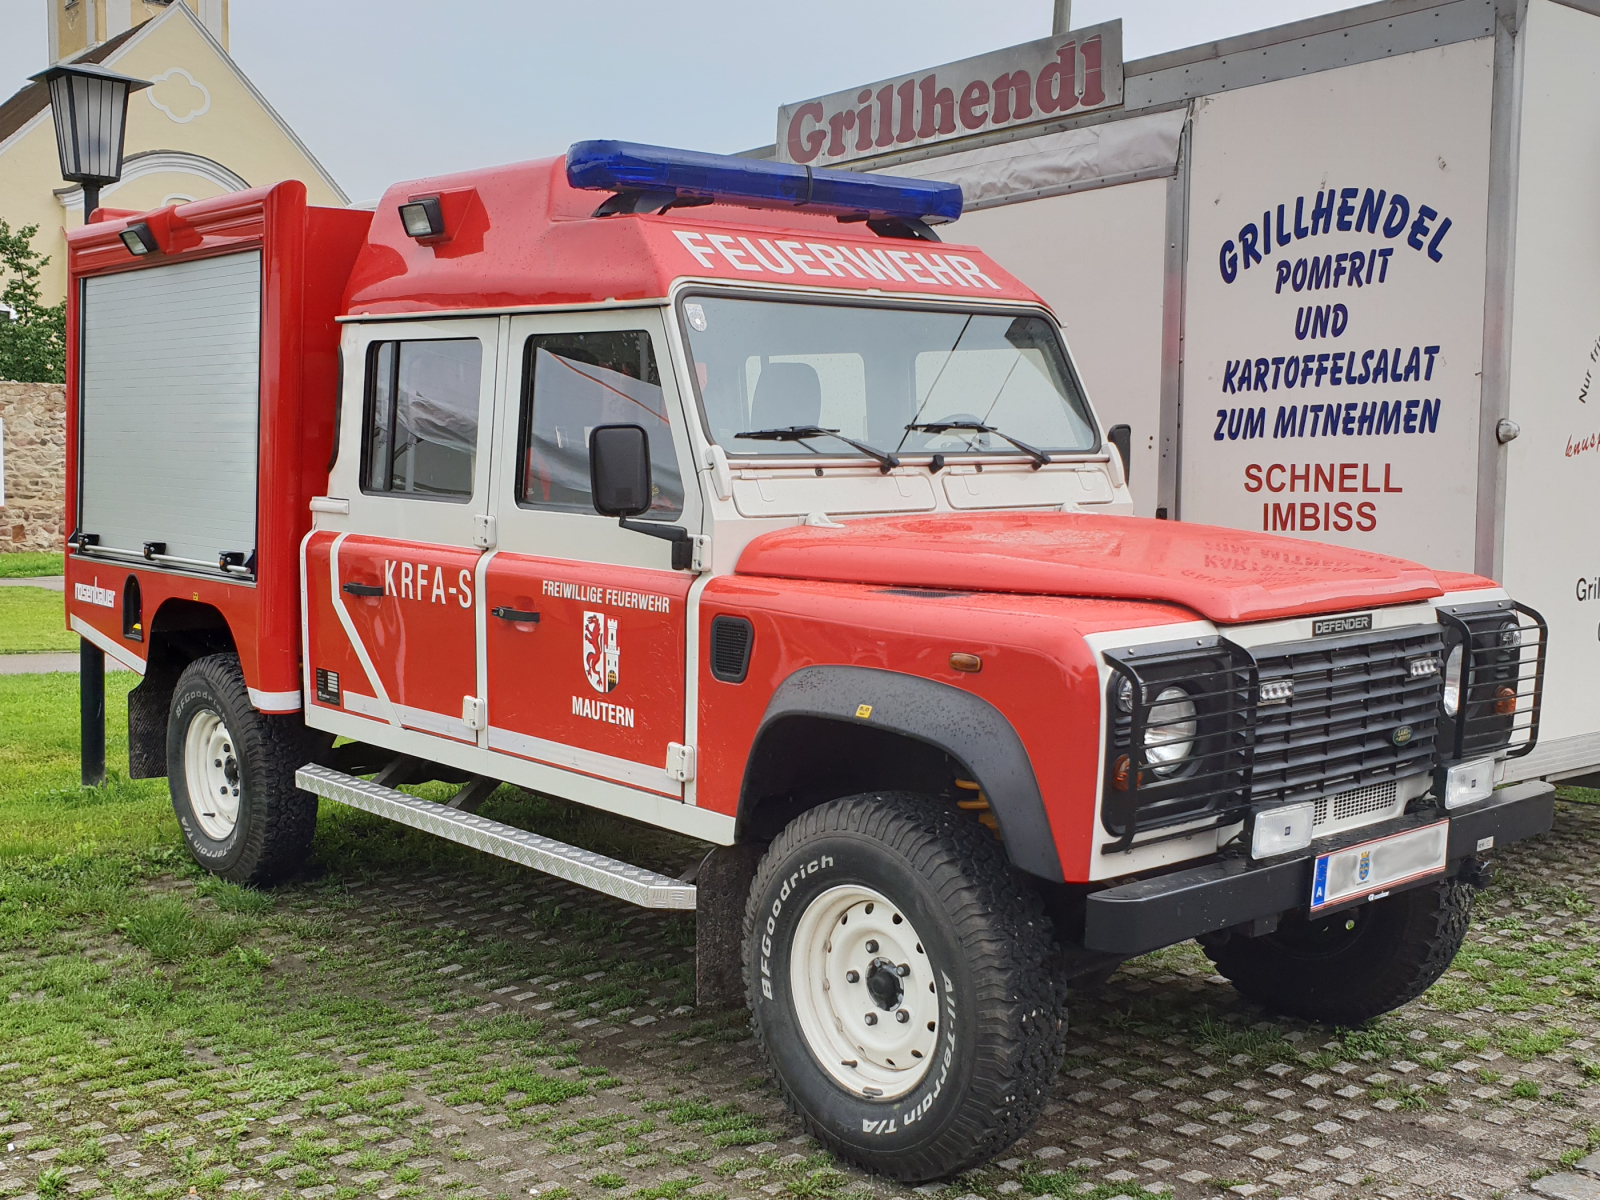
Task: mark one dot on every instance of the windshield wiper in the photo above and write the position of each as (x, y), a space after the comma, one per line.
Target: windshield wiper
(1040, 458)
(800, 433)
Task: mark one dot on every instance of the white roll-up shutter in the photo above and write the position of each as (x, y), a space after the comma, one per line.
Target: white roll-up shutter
(171, 406)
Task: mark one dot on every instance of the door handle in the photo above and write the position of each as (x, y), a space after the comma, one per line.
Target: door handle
(521, 617)
(363, 589)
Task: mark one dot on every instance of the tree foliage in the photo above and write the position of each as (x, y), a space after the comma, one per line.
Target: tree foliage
(33, 336)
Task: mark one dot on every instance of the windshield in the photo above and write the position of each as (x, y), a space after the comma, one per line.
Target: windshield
(868, 372)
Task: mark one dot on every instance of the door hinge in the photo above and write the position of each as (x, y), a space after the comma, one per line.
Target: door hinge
(702, 553)
(680, 762)
(483, 531)
(474, 712)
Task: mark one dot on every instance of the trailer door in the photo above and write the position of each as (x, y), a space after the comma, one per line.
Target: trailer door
(171, 407)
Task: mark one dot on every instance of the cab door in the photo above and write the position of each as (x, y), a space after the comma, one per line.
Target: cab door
(402, 581)
(585, 622)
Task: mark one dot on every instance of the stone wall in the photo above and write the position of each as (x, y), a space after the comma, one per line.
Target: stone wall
(35, 418)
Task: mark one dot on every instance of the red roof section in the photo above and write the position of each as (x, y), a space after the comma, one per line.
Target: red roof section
(519, 236)
(1226, 575)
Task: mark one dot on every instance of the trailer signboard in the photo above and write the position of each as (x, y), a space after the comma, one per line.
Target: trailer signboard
(1067, 74)
(1333, 341)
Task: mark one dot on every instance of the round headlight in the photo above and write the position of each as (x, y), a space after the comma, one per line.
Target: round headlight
(1169, 737)
(1125, 695)
(1452, 681)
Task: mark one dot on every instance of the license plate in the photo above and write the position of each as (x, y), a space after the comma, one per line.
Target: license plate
(1371, 869)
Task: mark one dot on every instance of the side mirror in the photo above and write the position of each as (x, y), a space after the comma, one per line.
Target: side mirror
(619, 470)
(1121, 436)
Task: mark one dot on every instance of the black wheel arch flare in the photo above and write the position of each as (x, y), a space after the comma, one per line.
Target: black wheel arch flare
(966, 727)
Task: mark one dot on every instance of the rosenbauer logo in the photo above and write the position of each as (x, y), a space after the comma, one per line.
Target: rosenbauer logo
(93, 593)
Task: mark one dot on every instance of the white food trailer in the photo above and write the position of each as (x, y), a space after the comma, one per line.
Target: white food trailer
(1341, 277)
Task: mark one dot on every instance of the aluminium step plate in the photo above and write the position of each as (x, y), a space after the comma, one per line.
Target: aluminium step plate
(609, 875)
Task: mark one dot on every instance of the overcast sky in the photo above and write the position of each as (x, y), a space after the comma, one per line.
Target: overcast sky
(387, 90)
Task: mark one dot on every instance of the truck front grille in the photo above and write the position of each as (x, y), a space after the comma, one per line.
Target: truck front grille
(1357, 715)
(1359, 718)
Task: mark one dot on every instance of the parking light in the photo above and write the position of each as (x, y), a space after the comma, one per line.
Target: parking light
(664, 177)
(1468, 782)
(139, 240)
(1280, 830)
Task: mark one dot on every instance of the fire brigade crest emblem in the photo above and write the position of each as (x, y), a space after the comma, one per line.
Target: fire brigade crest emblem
(600, 651)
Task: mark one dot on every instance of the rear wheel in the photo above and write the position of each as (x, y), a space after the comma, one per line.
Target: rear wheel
(1352, 965)
(903, 982)
(231, 773)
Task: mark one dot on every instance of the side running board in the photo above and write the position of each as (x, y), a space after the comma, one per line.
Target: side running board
(622, 880)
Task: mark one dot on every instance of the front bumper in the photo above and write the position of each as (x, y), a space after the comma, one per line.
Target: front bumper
(1150, 913)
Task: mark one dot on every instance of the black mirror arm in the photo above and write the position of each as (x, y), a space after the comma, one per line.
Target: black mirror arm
(682, 548)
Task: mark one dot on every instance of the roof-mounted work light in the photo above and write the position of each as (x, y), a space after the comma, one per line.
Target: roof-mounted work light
(422, 218)
(139, 240)
(647, 178)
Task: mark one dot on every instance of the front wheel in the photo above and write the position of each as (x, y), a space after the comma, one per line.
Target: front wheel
(231, 771)
(1352, 965)
(902, 979)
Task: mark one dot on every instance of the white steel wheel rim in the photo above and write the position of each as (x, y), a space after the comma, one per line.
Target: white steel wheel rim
(211, 768)
(874, 1034)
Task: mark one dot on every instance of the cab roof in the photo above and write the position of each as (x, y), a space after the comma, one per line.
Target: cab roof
(520, 236)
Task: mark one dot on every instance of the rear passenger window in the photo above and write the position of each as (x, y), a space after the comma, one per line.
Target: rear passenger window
(420, 432)
(573, 382)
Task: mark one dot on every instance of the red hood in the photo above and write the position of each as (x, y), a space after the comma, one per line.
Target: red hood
(1224, 574)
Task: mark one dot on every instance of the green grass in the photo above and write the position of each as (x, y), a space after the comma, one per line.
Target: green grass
(32, 620)
(43, 810)
(23, 564)
(128, 966)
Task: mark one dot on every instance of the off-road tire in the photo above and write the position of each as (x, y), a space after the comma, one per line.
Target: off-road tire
(1001, 1002)
(1323, 971)
(272, 834)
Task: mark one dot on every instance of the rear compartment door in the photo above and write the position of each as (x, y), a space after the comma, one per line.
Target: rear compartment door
(171, 408)
(402, 583)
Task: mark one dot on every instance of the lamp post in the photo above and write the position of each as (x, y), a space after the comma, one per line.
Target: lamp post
(90, 106)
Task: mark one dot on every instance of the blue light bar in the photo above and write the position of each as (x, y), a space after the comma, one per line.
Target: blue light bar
(690, 176)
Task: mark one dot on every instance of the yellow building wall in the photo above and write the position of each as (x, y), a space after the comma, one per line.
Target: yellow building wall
(220, 119)
(76, 25)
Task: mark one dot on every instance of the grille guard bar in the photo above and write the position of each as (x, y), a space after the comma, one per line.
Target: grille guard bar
(1358, 714)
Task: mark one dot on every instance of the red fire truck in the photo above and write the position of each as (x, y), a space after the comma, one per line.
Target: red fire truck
(724, 496)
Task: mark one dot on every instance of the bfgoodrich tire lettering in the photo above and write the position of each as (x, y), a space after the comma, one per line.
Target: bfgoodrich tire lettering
(990, 958)
(1352, 965)
(269, 832)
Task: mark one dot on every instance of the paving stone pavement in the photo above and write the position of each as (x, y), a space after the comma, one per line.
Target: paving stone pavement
(1173, 1084)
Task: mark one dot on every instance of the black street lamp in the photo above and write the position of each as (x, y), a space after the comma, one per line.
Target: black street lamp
(90, 106)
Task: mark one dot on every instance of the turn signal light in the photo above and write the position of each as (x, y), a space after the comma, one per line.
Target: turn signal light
(1119, 773)
(1505, 702)
(966, 662)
